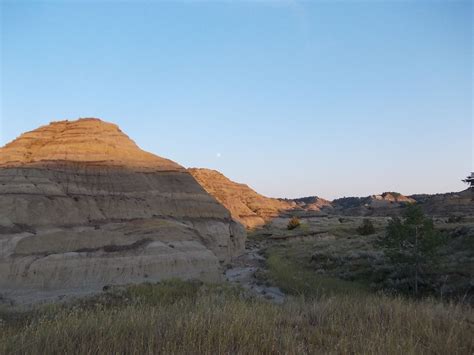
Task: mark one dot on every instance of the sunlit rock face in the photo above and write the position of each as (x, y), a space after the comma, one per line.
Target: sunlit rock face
(82, 207)
(88, 140)
(247, 206)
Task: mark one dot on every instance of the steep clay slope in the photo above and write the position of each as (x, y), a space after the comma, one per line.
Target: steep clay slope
(82, 207)
(245, 205)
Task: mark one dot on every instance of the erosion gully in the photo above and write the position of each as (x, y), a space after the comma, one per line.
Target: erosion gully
(243, 271)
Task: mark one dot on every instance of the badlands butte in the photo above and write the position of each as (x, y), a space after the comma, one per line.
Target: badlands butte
(82, 207)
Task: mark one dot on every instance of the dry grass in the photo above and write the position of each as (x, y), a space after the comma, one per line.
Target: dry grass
(184, 318)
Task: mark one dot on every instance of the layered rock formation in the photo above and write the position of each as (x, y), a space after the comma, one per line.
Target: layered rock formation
(82, 207)
(90, 141)
(245, 205)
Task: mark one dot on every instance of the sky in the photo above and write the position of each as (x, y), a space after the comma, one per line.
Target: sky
(327, 98)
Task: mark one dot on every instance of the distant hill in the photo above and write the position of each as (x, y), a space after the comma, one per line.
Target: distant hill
(392, 203)
(310, 203)
(387, 203)
(253, 209)
(452, 203)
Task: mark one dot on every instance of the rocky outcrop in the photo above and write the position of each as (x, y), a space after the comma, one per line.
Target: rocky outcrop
(391, 197)
(82, 207)
(311, 203)
(245, 205)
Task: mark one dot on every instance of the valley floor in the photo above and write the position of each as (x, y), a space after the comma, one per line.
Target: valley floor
(300, 292)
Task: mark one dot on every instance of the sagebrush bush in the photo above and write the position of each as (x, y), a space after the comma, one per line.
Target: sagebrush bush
(366, 228)
(454, 219)
(293, 223)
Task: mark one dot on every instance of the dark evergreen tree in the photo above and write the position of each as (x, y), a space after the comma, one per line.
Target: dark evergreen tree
(411, 244)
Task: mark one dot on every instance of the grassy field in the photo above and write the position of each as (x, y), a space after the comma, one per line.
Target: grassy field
(324, 266)
(327, 255)
(188, 317)
(287, 272)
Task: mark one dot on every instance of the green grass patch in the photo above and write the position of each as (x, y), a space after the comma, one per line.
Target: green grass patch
(289, 272)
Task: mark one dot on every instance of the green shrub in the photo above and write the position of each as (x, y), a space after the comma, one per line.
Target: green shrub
(412, 247)
(366, 228)
(293, 223)
(454, 219)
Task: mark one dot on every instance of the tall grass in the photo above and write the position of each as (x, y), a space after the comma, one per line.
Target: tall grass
(187, 318)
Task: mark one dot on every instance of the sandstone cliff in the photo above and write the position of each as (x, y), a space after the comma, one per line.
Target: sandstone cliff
(82, 207)
(245, 205)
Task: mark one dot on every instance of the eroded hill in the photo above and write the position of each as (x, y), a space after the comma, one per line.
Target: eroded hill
(83, 207)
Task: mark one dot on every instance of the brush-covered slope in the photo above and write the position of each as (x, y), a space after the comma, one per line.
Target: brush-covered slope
(247, 206)
(455, 203)
(82, 207)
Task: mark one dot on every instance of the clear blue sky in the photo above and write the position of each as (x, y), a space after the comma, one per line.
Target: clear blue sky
(293, 98)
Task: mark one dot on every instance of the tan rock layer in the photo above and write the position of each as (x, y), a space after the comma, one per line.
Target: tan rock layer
(245, 205)
(87, 140)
